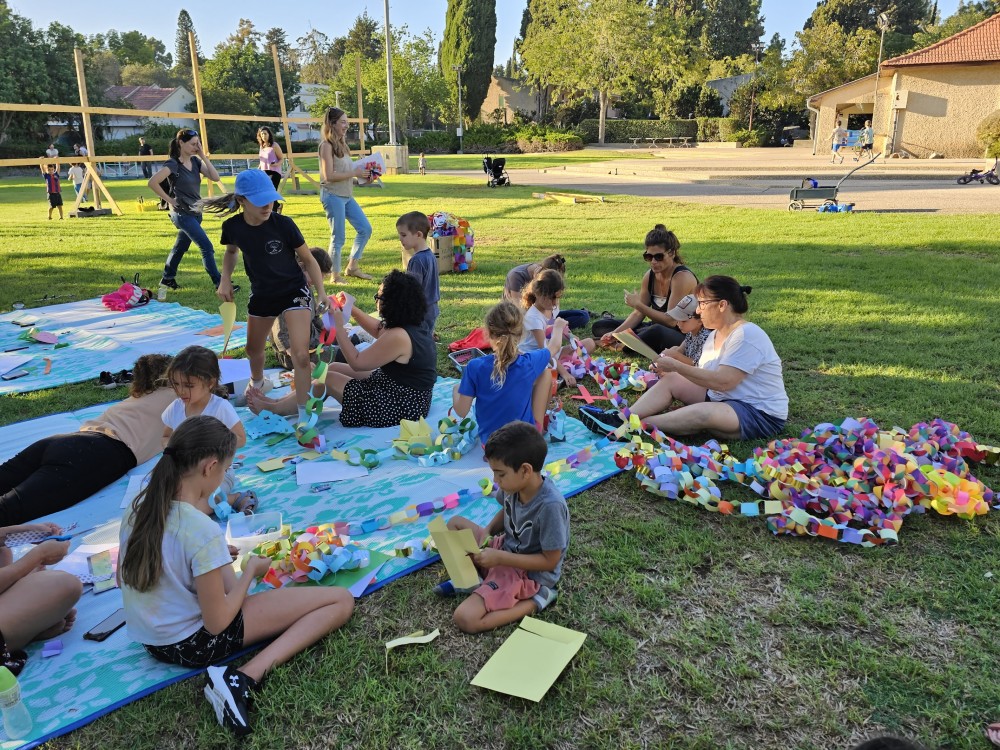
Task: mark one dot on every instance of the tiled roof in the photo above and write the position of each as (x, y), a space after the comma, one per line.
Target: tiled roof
(976, 44)
(140, 97)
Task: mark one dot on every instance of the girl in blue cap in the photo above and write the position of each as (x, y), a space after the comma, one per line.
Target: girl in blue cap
(277, 262)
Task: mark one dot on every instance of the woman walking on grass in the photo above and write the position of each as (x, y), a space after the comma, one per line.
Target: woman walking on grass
(337, 173)
(182, 172)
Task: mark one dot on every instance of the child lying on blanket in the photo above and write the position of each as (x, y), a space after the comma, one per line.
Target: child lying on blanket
(523, 562)
(35, 604)
(60, 471)
(184, 603)
(194, 376)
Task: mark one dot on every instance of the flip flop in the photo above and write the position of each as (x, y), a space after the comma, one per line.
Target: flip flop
(246, 502)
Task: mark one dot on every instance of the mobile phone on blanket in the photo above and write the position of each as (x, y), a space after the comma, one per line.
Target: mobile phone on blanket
(13, 375)
(103, 630)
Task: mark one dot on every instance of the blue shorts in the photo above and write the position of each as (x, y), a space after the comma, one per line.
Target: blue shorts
(754, 423)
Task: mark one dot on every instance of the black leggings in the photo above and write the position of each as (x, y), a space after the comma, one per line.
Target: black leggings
(655, 336)
(59, 471)
(275, 180)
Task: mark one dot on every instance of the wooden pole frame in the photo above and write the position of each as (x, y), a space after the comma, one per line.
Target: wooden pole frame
(93, 180)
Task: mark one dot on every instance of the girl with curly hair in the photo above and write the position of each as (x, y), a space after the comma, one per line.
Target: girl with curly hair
(390, 380)
(61, 470)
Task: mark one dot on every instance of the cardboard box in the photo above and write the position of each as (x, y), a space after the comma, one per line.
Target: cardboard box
(444, 250)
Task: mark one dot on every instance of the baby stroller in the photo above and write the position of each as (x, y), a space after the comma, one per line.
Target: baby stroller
(496, 174)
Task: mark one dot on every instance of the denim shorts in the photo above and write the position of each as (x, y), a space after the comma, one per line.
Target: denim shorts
(754, 423)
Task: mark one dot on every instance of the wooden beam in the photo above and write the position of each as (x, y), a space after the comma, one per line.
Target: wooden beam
(361, 105)
(93, 178)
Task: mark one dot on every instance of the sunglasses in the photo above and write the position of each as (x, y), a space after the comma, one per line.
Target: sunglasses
(189, 134)
(649, 257)
(377, 297)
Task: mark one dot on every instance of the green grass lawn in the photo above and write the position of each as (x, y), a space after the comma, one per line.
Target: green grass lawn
(705, 631)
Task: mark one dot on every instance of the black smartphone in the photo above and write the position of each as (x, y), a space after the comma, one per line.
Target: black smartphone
(106, 627)
(13, 374)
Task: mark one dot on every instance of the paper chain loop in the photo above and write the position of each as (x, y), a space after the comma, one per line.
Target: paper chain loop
(310, 555)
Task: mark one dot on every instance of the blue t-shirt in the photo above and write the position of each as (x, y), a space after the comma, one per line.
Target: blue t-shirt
(423, 265)
(496, 407)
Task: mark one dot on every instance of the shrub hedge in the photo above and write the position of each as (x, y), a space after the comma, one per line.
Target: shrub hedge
(728, 127)
(988, 133)
(623, 131)
(498, 139)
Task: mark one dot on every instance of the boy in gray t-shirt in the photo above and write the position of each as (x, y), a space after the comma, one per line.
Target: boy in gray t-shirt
(523, 562)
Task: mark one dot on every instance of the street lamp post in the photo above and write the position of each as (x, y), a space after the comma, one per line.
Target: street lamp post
(458, 69)
(757, 48)
(388, 75)
(883, 25)
(336, 95)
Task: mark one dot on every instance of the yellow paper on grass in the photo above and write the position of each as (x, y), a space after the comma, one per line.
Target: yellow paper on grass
(531, 660)
(636, 344)
(407, 640)
(454, 548)
(228, 312)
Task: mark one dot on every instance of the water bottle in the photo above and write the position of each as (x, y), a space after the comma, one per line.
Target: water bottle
(16, 719)
(161, 294)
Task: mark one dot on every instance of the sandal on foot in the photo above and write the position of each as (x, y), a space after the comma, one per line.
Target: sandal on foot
(246, 502)
(358, 273)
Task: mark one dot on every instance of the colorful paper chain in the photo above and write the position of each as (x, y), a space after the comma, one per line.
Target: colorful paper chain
(307, 433)
(854, 483)
(313, 554)
(455, 439)
(444, 224)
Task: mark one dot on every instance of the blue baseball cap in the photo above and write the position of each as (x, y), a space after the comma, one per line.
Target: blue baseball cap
(256, 187)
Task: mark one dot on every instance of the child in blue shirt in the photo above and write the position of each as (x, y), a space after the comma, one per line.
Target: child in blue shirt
(413, 229)
(508, 385)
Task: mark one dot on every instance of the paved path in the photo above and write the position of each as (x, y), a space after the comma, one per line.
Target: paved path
(762, 178)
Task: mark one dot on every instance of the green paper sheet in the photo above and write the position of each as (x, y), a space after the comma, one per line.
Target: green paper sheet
(531, 660)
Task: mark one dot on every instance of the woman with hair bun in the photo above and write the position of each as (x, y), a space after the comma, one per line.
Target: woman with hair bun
(735, 392)
(663, 286)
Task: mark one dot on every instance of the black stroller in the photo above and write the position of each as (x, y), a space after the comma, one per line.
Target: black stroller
(496, 174)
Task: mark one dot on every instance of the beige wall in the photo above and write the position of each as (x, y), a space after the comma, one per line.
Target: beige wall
(515, 97)
(944, 106)
(855, 98)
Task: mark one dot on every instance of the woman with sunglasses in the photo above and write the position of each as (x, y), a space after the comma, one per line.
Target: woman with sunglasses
(663, 286)
(736, 391)
(388, 381)
(181, 175)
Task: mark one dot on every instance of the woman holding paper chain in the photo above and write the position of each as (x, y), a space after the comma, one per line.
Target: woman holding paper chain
(665, 284)
(35, 604)
(390, 380)
(59, 471)
(736, 392)
(337, 173)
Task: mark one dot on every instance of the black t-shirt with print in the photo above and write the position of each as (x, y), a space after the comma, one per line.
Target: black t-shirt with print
(268, 251)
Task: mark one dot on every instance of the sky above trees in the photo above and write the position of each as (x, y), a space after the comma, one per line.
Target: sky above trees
(215, 21)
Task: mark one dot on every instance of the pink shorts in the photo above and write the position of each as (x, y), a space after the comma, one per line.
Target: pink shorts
(505, 586)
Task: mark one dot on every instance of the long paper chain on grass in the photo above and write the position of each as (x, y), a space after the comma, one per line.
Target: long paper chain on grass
(307, 433)
(820, 485)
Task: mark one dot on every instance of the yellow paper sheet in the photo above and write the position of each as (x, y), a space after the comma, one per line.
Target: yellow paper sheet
(228, 312)
(531, 660)
(636, 344)
(407, 640)
(454, 548)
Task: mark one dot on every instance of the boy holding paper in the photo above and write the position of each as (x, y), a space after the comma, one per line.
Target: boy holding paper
(523, 561)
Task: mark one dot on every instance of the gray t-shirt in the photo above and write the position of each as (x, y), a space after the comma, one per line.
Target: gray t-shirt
(187, 185)
(518, 278)
(541, 524)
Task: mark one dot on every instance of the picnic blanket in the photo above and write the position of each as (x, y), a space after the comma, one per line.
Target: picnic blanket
(99, 339)
(91, 679)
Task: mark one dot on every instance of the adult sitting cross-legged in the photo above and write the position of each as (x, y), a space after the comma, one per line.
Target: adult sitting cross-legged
(737, 390)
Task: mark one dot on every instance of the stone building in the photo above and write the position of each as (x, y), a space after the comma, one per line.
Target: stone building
(924, 102)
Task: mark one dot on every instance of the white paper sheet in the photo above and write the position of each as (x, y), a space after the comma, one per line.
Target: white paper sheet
(234, 370)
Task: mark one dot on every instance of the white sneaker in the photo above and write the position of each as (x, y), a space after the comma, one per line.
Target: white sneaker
(264, 386)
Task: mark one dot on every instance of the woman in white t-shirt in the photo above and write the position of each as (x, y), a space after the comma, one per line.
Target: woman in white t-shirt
(194, 376)
(735, 392)
(183, 601)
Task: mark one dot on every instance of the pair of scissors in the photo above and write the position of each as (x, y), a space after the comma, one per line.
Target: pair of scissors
(65, 537)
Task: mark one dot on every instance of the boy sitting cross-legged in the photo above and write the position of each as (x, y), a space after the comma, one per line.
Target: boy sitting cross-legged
(523, 561)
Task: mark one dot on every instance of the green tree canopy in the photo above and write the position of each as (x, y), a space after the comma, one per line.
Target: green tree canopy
(470, 37)
(731, 27)
(182, 44)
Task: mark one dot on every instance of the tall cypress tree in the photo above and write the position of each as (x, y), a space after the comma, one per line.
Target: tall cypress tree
(470, 37)
(182, 45)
